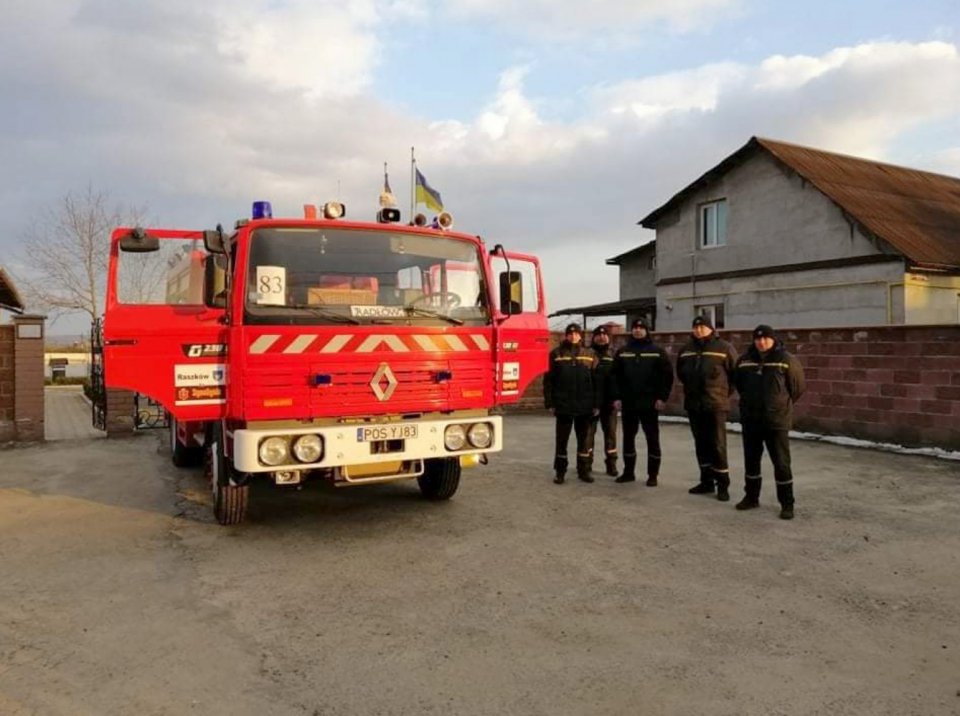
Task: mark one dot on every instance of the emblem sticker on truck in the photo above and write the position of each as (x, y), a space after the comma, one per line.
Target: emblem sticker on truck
(510, 379)
(200, 383)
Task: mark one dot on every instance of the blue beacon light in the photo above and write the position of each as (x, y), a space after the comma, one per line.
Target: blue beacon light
(262, 210)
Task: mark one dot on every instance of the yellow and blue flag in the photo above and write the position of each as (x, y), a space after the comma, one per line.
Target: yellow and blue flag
(426, 194)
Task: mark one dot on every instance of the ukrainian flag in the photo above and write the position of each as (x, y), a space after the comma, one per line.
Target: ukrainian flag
(426, 194)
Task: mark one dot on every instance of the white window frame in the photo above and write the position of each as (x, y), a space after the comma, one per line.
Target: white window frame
(709, 216)
(711, 311)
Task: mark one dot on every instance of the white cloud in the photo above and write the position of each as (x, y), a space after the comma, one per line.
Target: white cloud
(578, 18)
(167, 104)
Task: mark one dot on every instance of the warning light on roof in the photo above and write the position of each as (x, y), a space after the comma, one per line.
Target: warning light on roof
(262, 210)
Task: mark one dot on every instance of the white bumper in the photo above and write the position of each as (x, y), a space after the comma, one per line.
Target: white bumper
(341, 446)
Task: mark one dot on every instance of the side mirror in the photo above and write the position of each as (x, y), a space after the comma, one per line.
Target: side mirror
(213, 241)
(511, 293)
(215, 281)
(139, 241)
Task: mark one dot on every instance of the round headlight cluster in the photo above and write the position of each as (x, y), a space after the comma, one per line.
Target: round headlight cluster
(308, 448)
(480, 435)
(274, 451)
(454, 437)
(476, 435)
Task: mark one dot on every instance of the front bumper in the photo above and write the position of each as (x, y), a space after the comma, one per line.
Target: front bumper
(341, 446)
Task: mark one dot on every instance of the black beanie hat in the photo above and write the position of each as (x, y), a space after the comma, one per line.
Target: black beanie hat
(639, 323)
(573, 328)
(702, 321)
(764, 331)
(600, 331)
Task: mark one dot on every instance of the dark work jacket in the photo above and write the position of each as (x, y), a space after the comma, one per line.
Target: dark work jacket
(706, 369)
(641, 375)
(569, 385)
(769, 385)
(602, 377)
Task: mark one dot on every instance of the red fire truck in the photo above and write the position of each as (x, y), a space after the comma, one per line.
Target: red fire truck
(301, 348)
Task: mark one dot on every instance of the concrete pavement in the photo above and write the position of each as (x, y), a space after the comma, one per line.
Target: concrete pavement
(66, 414)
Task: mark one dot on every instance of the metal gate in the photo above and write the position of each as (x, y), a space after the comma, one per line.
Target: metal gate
(98, 388)
(147, 413)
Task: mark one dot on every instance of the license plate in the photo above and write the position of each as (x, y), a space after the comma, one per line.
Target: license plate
(386, 432)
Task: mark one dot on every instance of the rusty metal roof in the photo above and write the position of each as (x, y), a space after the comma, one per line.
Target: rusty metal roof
(917, 213)
(9, 297)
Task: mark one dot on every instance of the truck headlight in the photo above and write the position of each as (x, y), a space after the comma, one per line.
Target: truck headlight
(308, 448)
(480, 435)
(274, 451)
(454, 437)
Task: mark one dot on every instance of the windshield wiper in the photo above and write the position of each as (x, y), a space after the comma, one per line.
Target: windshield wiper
(322, 313)
(411, 310)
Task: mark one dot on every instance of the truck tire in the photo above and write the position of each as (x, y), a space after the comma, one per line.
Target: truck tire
(180, 454)
(229, 499)
(440, 478)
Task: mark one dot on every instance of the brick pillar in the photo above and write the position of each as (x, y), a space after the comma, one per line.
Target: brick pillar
(28, 377)
(119, 412)
(8, 431)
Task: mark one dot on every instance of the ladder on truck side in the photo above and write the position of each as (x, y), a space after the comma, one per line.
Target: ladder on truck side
(98, 387)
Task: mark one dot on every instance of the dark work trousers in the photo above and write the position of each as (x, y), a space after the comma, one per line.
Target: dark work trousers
(777, 442)
(581, 425)
(649, 420)
(607, 420)
(709, 430)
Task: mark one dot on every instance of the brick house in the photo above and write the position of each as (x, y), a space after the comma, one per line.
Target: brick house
(21, 369)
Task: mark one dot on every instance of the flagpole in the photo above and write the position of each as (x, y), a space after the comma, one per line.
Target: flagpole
(413, 185)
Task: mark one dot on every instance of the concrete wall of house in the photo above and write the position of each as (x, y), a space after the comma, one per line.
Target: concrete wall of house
(932, 299)
(773, 218)
(637, 279)
(870, 294)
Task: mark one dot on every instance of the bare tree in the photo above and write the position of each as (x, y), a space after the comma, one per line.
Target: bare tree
(67, 250)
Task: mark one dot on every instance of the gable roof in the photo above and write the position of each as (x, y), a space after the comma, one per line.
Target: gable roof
(915, 212)
(632, 253)
(9, 297)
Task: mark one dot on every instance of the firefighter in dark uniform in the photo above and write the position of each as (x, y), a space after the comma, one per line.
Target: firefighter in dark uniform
(569, 391)
(706, 367)
(607, 419)
(641, 381)
(770, 381)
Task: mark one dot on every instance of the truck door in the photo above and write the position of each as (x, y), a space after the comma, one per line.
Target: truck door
(160, 338)
(521, 334)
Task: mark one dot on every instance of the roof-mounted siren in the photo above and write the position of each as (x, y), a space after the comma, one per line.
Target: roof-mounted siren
(388, 215)
(334, 210)
(262, 210)
(420, 220)
(443, 221)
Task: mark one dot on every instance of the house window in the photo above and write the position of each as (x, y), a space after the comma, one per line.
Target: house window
(713, 224)
(712, 312)
(652, 263)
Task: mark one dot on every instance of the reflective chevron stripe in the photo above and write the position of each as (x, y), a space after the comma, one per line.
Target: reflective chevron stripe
(354, 343)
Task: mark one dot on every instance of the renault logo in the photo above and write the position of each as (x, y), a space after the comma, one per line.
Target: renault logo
(383, 375)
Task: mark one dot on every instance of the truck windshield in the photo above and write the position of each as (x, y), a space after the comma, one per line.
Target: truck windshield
(334, 276)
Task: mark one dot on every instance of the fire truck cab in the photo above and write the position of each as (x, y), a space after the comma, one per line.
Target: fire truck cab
(295, 349)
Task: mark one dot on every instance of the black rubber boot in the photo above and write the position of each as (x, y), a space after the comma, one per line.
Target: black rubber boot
(785, 496)
(560, 469)
(612, 465)
(705, 486)
(751, 498)
(653, 470)
(629, 465)
(583, 469)
(723, 486)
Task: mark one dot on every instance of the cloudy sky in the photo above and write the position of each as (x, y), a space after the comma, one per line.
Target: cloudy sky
(550, 126)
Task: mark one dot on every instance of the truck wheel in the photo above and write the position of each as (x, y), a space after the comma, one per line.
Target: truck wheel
(440, 478)
(229, 499)
(180, 454)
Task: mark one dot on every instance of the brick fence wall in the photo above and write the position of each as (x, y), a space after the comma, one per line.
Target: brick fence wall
(897, 384)
(7, 425)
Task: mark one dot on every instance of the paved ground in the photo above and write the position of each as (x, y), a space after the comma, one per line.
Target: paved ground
(66, 415)
(118, 595)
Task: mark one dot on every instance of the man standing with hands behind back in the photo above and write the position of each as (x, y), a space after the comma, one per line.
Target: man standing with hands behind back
(569, 391)
(770, 381)
(706, 366)
(640, 383)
